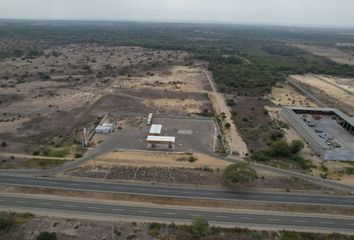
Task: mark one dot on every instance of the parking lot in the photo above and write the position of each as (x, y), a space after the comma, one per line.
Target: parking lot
(192, 135)
(328, 130)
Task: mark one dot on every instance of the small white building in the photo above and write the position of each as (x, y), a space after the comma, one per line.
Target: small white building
(149, 119)
(105, 128)
(155, 130)
(155, 141)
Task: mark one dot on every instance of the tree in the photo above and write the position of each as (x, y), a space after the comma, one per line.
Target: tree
(47, 236)
(4, 144)
(239, 173)
(279, 149)
(200, 227)
(227, 125)
(296, 146)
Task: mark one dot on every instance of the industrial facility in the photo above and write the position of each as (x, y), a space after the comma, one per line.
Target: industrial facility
(329, 131)
(154, 138)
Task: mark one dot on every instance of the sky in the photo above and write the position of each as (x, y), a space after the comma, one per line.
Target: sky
(280, 12)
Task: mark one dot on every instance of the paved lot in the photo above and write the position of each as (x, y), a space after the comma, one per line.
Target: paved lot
(330, 127)
(192, 135)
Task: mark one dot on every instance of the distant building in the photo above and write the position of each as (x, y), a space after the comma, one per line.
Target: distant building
(149, 119)
(328, 131)
(105, 128)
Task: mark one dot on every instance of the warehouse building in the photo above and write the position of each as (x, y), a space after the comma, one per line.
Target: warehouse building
(328, 131)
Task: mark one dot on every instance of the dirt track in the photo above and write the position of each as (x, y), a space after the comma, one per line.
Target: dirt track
(234, 139)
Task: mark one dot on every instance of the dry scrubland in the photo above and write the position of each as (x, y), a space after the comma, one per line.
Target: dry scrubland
(45, 100)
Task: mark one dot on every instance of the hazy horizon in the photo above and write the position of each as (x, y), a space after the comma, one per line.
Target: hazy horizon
(325, 13)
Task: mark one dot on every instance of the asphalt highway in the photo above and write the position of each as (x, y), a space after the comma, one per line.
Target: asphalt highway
(179, 192)
(172, 214)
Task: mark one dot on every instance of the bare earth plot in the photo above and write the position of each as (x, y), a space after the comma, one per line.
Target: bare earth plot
(331, 53)
(285, 95)
(329, 90)
(45, 99)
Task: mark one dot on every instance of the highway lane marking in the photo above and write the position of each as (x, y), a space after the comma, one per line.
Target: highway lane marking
(142, 211)
(43, 203)
(18, 201)
(350, 224)
(300, 221)
(67, 205)
(116, 209)
(74, 184)
(169, 213)
(162, 190)
(140, 189)
(54, 183)
(273, 219)
(225, 217)
(326, 222)
(11, 179)
(92, 207)
(194, 215)
(246, 218)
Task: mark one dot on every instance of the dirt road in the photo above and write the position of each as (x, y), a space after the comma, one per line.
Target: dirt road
(233, 137)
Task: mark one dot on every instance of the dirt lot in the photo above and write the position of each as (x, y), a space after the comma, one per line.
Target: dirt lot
(331, 91)
(285, 95)
(160, 159)
(331, 53)
(46, 99)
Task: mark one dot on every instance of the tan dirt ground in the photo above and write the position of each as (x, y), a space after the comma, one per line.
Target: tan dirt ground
(140, 158)
(188, 105)
(285, 95)
(316, 82)
(331, 53)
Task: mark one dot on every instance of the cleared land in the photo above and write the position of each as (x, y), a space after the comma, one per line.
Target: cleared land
(46, 99)
(334, 92)
(285, 95)
(331, 53)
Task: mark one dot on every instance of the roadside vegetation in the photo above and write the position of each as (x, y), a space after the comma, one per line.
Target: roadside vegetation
(283, 154)
(239, 173)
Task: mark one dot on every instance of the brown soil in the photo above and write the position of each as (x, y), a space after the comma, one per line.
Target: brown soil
(328, 91)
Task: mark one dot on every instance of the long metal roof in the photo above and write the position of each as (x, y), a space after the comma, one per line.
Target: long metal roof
(161, 139)
(344, 116)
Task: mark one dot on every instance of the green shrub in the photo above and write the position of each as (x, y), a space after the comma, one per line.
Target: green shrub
(6, 221)
(200, 227)
(154, 229)
(47, 236)
(239, 173)
(296, 146)
(259, 156)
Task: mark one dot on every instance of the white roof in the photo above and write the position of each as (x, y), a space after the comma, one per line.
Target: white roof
(107, 124)
(160, 139)
(102, 128)
(150, 115)
(155, 129)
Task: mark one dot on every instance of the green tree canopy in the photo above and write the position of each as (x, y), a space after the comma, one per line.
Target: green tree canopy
(296, 146)
(47, 236)
(239, 173)
(200, 227)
